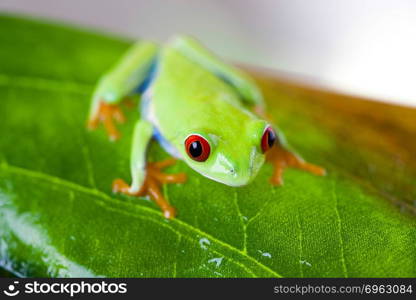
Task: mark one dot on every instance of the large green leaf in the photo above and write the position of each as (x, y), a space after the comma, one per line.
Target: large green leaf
(58, 216)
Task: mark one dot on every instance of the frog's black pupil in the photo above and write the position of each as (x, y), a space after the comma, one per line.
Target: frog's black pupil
(195, 149)
(271, 138)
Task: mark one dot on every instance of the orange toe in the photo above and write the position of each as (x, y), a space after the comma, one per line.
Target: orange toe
(151, 186)
(281, 158)
(120, 186)
(106, 115)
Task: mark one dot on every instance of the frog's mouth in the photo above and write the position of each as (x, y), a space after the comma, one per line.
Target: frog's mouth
(233, 180)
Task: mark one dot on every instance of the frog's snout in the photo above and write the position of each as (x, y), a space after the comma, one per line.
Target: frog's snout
(239, 176)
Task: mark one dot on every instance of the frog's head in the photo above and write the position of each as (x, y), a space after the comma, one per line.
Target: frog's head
(232, 158)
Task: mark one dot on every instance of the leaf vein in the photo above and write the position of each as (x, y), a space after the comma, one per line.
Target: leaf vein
(339, 224)
(90, 170)
(243, 225)
(300, 243)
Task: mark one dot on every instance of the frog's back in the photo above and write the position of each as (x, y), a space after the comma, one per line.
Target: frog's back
(184, 94)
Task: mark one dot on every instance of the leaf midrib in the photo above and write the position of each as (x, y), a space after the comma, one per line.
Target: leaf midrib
(154, 215)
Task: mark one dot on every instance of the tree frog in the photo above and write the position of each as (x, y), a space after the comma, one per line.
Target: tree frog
(200, 109)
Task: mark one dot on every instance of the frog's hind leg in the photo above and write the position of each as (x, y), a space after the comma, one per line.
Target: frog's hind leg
(242, 83)
(280, 158)
(147, 179)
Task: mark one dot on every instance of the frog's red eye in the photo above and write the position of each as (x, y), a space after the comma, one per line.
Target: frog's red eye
(197, 147)
(268, 139)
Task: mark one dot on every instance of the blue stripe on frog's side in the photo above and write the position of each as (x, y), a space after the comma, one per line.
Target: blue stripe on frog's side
(157, 135)
(145, 89)
(149, 78)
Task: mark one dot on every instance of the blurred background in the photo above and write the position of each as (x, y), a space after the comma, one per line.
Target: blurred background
(359, 47)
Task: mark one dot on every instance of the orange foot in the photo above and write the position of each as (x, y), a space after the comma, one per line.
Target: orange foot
(106, 113)
(281, 158)
(151, 186)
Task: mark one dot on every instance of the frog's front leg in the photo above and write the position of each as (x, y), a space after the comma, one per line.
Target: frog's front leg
(106, 113)
(147, 178)
(280, 158)
(129, 73)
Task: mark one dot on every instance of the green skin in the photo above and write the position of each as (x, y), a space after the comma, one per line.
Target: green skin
(188, 95)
